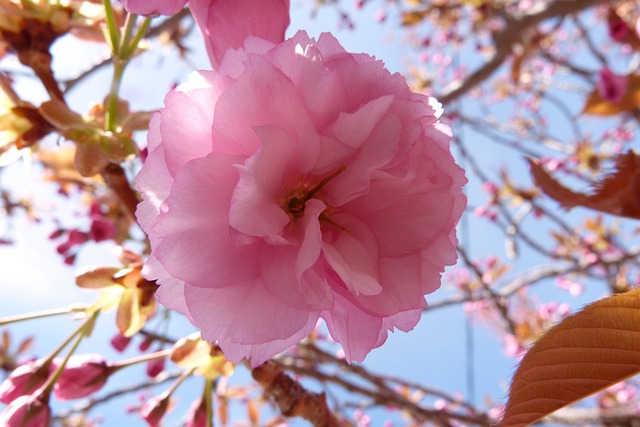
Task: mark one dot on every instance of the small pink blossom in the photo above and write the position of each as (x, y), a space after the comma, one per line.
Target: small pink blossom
(154, 7)
(611, 87)
(24, 380)
(83, 375)
(26, 411)
(298, 181)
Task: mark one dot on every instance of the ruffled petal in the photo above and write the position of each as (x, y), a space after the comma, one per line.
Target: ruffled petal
(247, 320)
(218, 20)
(196, 246)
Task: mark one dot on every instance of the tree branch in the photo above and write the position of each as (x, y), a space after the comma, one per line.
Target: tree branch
(506, 39)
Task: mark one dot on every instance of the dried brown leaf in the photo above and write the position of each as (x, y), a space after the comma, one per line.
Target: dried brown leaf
(596, 105)
(617, 194)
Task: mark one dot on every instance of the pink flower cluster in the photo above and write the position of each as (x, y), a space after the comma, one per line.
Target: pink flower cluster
(24, 391)
(295, 182)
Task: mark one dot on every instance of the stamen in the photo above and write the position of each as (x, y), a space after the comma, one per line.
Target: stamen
(332, 223)
(295, 206)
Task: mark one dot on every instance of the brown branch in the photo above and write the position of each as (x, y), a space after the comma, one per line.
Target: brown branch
(292, 399)
(116, 179)
(506, 39)
(580, 416)
(494, 297)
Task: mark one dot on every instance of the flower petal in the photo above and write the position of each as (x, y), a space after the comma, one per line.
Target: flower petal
(247, 320)
(219, 22)
(196, 246)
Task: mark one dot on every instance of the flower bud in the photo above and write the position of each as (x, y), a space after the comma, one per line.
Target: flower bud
(155, 367)
(120, 343)
(83, 375)
(155, 408)
(612, 87)
(26, 411)
(23, 380)
(197, 416)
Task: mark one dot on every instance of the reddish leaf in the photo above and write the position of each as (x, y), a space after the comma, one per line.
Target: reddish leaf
(616, 194)
(586, 352)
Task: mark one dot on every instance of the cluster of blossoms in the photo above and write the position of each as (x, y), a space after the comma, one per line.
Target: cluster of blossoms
(101, 229)
(27, 389)
(296, 181)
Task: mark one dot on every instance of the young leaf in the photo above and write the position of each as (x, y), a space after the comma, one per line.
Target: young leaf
(586, 352)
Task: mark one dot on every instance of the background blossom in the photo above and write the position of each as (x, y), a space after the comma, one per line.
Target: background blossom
(151, 7)
(296, 182)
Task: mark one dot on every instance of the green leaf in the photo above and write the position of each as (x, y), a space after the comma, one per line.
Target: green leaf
(585, 353)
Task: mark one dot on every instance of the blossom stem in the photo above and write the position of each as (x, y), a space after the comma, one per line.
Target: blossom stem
(122, 51)
(140, 359)
(111, 25)
(129, 25)
(45, 313)
(83, 331)
(129, 50)
(208, 404)
(186, 374)
(112, 104)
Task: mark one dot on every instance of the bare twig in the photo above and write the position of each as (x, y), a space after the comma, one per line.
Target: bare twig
(505, 40)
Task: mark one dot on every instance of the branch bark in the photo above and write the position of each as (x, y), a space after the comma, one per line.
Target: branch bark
(506, 39)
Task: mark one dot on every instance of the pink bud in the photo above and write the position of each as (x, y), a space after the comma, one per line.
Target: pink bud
(611, 87)
(83, 375)
(618, 29)
(144, 345)
(26, 411)
(102, 229)
(120, 342)
(154, 409)
(23, 380)
(197, 416)
(155, 367)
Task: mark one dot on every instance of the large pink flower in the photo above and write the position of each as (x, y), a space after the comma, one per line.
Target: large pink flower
(298, 181)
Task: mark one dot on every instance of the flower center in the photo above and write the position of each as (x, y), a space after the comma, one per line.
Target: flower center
(294, 205)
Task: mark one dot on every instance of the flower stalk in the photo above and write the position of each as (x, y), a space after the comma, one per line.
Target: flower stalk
(74, 308)
(83, 331)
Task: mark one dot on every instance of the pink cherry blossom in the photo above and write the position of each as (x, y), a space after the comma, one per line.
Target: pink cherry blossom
(154, 7)
(611, 87)
(24, 380)
(83, 375)
(226, 23)
(26, 411)
(298, 181)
